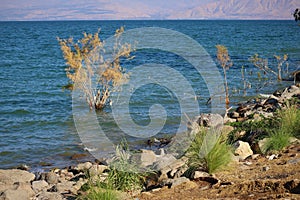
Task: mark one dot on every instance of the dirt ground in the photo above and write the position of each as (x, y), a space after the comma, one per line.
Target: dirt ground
(258, 178)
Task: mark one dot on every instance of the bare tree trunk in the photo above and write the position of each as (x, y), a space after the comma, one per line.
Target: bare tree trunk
(101, 99)
(279, 72)
(226, 89)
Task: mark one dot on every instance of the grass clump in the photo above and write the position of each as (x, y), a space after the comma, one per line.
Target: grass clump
(277, 141)
(290, 120)
(122, 176)
(209, 152)
(96, 193)
(289, 125)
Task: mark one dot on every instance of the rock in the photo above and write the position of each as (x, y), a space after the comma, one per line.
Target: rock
(178, 181)
(226, 130)
(38, 186)
(65, 187)
(182, 170)
(296, 75)
(210, 120)
(51, 178)
(242, 149)
(169, 163)
(289, 92)
(15, 175)
(84, 166)
(262, 144)
(266, 168)
(147, 157)
(160, 152)
(294, 161)
(19, 192)
(23, 167)
(255, 156)
(234, 115)
(49, 196)
(272, 102)
(199, 174)
(273, 156)
(293, 140)
(97, 169)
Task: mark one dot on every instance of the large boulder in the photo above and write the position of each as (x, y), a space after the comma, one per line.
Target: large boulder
(15, 175)
(19, 191)
(242, 149)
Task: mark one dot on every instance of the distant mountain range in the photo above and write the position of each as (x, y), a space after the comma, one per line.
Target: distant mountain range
(240, 9)
(148, 9)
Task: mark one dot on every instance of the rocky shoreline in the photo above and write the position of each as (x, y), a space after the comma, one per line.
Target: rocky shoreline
(19, 184)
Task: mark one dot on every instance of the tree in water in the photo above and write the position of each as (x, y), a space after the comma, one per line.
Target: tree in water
(87, 64)
(225, 62)
(297, 14)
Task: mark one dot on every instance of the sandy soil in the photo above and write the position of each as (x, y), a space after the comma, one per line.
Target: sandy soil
(258, 178)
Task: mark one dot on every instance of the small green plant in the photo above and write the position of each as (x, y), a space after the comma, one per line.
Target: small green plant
(124, 175)
(277, 141)
(288, 119)
(209, 152)
(97, 193)
(254, 129)
(219, 156)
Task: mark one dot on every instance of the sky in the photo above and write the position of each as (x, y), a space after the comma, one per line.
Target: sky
(27, 10)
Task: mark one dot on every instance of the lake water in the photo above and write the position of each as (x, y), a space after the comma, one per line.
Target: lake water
(36, 121)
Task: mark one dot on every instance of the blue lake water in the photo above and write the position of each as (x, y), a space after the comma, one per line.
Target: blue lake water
(36, 121)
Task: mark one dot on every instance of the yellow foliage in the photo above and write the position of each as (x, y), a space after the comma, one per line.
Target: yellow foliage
(85, 59)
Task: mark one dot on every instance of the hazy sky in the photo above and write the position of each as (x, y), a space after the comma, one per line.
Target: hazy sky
(118, 9)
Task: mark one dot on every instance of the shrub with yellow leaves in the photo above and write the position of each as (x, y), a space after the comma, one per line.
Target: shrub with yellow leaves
(87, 64)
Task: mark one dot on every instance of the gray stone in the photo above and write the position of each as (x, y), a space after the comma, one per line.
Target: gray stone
(199, 174)
(266, 168)
(262, 144)
(19, 192)
(179, 181)
(49, 196)
(38, 186)
(65, 187)
(160, 152)
(163, 163)
(84, 166)
(147, 157)
(294, 161)
(288, 93)
(51, 178)
(210, 120)
(96, 169)
(255, 156)
(15, 175)
(234, 115)
(242, 149)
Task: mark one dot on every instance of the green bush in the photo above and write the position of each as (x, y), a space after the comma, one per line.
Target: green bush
(122, 175)
(289, 125)
(209, 152)
(100, 194)
(219, 157)
(277, 141)
(289, 119)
